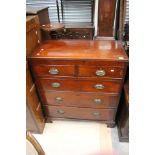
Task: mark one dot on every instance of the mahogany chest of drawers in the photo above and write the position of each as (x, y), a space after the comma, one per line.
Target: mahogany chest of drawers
(79, 79)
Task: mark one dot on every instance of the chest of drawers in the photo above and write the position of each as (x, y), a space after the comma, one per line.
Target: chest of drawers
(79, 79)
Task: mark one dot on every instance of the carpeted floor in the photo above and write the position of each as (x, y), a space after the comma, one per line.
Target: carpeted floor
(80, 138)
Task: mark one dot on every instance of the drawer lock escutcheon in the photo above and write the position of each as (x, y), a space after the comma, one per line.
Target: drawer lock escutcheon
(58, 99)
(96, 114)
(54, 71)
(56, 85)
(60, 111)
(97, 101)
(100, 72)
(99, 86)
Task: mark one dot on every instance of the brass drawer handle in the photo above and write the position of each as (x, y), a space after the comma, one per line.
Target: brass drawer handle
(97, 100)
(54, 71)
(96, 114)
(58, 99)
(60, 111)
(56, 85)
(99, 86)
(100, 72)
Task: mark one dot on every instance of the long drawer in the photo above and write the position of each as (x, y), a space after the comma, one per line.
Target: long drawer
(80, 113)
(77, 99)
(107, 86)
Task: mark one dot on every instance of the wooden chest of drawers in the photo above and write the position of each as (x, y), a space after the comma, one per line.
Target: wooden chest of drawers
(79, 79)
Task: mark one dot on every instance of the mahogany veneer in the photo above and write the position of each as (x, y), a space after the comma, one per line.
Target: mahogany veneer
(80, 50)
(43, 70)
(79, 85)
(111, 71)
(80, 113)
(79, 79)
(79, 99)
(106, 18)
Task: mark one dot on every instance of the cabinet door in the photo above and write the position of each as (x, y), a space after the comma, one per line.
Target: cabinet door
(106, 17)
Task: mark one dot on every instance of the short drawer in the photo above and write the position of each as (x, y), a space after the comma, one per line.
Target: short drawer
(80, 113)
(108, 86)
(53, 70)
(98, 71)
(77, 99)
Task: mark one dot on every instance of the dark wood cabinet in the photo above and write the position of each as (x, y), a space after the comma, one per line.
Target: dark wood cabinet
(106, 16)
(35, 121)
(123, 118)
(79, 79)
(43, 17)
(41, 12)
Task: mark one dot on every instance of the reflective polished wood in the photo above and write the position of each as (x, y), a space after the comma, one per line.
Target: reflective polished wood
(80, 99)
(79, 79)
(86, 85)
(106, 17)
(81, 49)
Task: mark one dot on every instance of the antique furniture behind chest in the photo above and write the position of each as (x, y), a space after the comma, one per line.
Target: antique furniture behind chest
(78, 32)
(106, 18)
(79, 79)
(42, 13)
(123, 120)
(34, 117)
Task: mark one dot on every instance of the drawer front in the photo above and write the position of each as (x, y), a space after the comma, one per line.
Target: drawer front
(77, 99)
(53, 70)
(112, 86)
(97, 71)
(80, 113)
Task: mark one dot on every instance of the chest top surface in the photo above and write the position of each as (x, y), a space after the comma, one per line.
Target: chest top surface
(80, 49)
